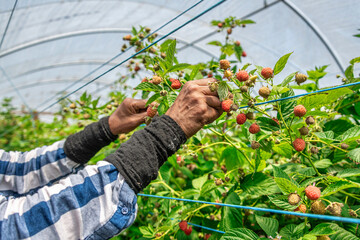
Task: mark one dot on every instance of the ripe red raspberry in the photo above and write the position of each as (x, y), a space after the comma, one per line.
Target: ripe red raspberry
(152, 110)
(237, 43)
(312, 192)
(299, 110)
(226, 105)
(176, 84)
(241, 118)
(183, 225)
(301, 208)
(188, 231)
(207, 236)
(137, 68)
(299, 144)
(243, 54)
(276, 120)
(144, 80)
(242, 75)
(267, 73)
(254, 128)
(224, 64)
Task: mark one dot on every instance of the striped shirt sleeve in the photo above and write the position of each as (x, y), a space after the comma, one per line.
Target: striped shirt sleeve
(95, 203)
(24, 172)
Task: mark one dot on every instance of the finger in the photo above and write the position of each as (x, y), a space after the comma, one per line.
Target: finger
(139, 104)
(213, 102)
(204, 82)
(139, 118)
(211, 115)
(206, 91)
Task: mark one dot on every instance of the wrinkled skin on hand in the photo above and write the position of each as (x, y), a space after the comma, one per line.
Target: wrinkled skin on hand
(195, 106)
(129, 115)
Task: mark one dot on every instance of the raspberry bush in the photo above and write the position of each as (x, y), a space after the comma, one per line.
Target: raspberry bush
(300, 154)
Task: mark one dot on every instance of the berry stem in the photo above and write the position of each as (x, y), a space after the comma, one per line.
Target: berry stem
(311, 163)
(283, 120)
(331, 145)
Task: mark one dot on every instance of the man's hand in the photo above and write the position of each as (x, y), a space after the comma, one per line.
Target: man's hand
(195, 106)
(130, 114)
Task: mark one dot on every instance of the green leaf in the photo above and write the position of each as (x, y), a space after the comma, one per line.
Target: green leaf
(240, 233)
(355, 60)
(286, 186)
(349, 72)
(323, 163)
(162, 108)
(351, 133)
(354, 155)
(146, 86)
(171, 98)
(349, 173)
(215, 43)
(281, 201)
(267, 124)
(194, 71)
(232, 159)
(288, 79)
(309, 181)
(199, 182)
(231, 217)
(341, 234)
(322, 229)
(309, 237)
(245, 21)
(165, 171)
(340, 126)
(207, 187)
(223, 90)
(284, 149)
(280, 64)
(292, 231)
(238, 52)
(258, 184)
(279, 173)
(170, 53)
(177, 67)
(152, 99)
(278, 90)
(269, 225)
(338, 186)
(287, 106)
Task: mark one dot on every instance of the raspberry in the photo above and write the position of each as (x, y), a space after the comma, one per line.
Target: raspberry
(220, 25)
(243, 54)
(156, 80)
(242, 75)
(218, 182)
(207, 236)
(72, 106)
(299, 110)
(226, 105)
(264, 92)
(210, 75)
(241, 118)
(137, 68)
(312, 192)
(250, 116)
(224, 64)
(254, 128)
(163, 93)
(314, 150)
(267, 73)
(318, 207)
(176, 84)
(213, 86)
(144, 80)
(301, 208)
(299, 144)
(188, 231)
(323, 238)
(183, 225)
(228, 74)
(304, 131)
(294, 199)
(237, 43)
(255, 145)
(127, 37)
(335, 208)
(310, 120)
(152, 110)
(244, 89)
(229, 31)
(344, 146)
(300, 78)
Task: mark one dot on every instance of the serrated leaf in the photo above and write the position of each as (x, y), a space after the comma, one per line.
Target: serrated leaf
(284, 149)
(177, 67)
(194, 72)
(341, 234)
(146, 86)
(281, 201)
(170, 54)
(354, 155)
(223, 90)
(239, 233)
(279, 173)
(280, 64)
(152, 99)
(267, 124)
(288, 79)
(323, 163)
(286, 106)
(269, 225)
(340, 126)
(231, 217)
(231, 157)
(355, 60)
(207, 187)
(337, 186)
(171, 99)
(322, 229)
(238, 52)
(349, 173)
(349, 72)
(199, 182)
(286, 186)
(258, 184)
(353, 132)
(292, 231)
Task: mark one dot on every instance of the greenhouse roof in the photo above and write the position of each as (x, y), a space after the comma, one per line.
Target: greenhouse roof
(51, 45)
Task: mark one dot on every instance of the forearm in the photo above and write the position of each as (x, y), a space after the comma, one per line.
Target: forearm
(140, 158)
(82, 146)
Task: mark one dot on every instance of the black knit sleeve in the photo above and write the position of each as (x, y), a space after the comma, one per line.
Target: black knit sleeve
(139, 159)
(82, 146)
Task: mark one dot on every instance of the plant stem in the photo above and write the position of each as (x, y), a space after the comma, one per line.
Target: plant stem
(311, 163)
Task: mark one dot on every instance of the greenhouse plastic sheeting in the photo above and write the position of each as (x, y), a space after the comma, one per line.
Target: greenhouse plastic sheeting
(50, 44)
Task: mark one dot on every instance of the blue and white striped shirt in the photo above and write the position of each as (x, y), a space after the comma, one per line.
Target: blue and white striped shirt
(45, 195)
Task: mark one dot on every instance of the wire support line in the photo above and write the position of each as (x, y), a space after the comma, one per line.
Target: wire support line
(317, 216)
(142, 50)
(8, 23)
(119, 54)
(16, 90)
(304, 94)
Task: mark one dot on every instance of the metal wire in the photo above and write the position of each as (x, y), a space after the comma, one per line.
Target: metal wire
(8, 23)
